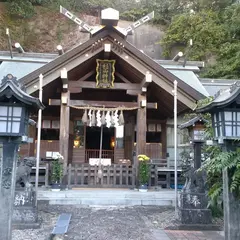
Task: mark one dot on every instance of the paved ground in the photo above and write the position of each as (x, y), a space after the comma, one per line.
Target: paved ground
(112, 223)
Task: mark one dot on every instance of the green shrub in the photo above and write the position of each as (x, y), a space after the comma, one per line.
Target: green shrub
(21, 8)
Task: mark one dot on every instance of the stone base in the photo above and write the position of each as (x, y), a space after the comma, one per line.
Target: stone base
(195, 227)
(25, 214)
(195, 216)
(193, 208)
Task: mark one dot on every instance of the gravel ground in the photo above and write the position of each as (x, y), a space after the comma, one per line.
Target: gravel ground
(103, 223)
(96, 223)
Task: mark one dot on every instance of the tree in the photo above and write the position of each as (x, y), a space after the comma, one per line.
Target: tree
(203, 27)
(228, 58)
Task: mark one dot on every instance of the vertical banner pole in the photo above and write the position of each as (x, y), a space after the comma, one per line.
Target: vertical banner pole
(38, 137)
(175, 148)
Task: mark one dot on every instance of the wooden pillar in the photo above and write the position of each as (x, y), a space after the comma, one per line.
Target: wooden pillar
(141, 126)
(64, 129)
(164, 140)
(129, 138)
(31, 146)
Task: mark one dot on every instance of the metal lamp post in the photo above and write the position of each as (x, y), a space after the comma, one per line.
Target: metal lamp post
(15, 106)
(225, 114)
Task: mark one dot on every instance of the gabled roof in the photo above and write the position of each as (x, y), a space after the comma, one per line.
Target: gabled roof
(192, 121)
(112, 35)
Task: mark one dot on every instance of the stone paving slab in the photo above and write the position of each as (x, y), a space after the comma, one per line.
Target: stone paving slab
(193, 235)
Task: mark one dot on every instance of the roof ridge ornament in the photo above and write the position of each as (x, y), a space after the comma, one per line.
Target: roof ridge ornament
(77, 20)
(109, 17)
(10, 77)
(234, 86)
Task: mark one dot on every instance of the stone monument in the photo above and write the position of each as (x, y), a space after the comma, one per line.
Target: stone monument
(25, 213)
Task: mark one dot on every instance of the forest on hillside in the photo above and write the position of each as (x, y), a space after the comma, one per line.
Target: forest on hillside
(213, 26)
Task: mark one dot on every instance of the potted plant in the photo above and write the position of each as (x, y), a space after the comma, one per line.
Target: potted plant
(143, 172)
(57, 172)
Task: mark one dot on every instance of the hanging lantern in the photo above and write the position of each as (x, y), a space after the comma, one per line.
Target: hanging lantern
(84, 117)
(121, 119)
(103, 118)
(93, 120)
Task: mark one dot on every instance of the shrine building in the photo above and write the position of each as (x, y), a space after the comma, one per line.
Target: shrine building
(106, 84)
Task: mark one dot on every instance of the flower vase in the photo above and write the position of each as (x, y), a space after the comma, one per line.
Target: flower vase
(143, 188)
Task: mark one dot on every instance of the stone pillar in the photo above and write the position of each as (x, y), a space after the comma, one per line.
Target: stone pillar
(197, 154)
(231, 211)
(8, 162)
(64, 130)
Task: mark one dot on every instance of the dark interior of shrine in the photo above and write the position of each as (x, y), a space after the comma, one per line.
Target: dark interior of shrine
(93, 135)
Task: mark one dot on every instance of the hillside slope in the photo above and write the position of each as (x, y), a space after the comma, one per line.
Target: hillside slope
(48, 28)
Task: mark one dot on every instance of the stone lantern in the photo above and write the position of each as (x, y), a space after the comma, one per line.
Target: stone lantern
(15, 106)
(225, 114)
(196, 130)
(193, 199)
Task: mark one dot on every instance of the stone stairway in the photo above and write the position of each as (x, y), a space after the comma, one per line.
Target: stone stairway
(108, 197)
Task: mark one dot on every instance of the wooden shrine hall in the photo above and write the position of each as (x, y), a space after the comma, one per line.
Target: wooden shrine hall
(108, 85)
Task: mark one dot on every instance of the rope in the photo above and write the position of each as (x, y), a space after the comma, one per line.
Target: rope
(105, 109)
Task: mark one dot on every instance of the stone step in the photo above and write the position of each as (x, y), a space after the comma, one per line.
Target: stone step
(110, 202)
(106, 197)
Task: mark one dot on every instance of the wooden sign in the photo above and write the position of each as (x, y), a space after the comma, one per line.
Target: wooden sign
(105, 73)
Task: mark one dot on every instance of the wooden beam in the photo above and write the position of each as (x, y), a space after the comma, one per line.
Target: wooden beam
(103, 103)
(152, 105)
(57, 102)
(85, 77)
(75, 90)
(119, 75)
(164, 140)
(146, 81)
(117, 86)
(133, 92)
(159, 80)
(69, 65)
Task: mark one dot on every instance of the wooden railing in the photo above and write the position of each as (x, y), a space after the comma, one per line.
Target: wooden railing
(94, 153)
(85, 175)
(116, 175)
